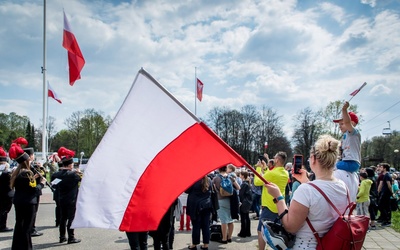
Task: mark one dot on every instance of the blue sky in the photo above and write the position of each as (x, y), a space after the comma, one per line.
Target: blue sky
(287, 55)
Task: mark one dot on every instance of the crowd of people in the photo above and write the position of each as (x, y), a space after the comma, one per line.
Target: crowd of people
(273, 192)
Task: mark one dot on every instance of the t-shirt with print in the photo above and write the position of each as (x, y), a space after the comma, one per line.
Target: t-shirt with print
(351, 146)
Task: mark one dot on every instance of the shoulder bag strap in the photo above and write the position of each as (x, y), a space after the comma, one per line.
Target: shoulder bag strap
(330, 203)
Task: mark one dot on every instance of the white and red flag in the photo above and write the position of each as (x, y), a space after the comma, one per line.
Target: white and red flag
(355, 92)
(199, 89)
(75, 57)
(51, 93)
(151, 153)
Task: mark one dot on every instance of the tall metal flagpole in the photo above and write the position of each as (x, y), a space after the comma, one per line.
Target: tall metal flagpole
(44, 132)
(195, 91)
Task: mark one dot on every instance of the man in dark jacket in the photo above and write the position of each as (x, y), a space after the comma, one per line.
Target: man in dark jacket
(68, 182)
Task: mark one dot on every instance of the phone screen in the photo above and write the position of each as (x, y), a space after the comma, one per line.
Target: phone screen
(297, 163)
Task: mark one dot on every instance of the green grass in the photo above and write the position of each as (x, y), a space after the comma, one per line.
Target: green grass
(396, 221)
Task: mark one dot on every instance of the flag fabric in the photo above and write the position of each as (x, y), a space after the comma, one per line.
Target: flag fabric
(265, 145)
(151, 153)
(75, 57)
(51, 93)
(355, 92)
(199, 89)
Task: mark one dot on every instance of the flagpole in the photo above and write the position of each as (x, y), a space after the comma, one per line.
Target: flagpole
(44, 140)
(195, 90)
(47, 119)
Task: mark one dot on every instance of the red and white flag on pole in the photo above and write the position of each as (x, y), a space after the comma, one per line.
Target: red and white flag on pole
(51, 93)
(265, 145)
(355, 92)
(75, 57)
(129, 180)
(199, 89)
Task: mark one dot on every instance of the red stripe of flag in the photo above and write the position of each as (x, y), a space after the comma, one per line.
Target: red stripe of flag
(355, 92)
(75, 57)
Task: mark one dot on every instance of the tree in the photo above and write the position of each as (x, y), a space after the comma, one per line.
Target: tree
(85, 131)
(249, 125)
(75, 128)
(247, 130)
(12, 126)
(307, 129)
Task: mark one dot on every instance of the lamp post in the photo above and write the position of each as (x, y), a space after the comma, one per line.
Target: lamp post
(82, 154)
(396, 159)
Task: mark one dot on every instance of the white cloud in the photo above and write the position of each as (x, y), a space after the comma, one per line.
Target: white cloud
(285, 54)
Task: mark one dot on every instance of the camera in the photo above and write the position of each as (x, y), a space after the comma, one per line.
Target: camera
(297, 163)
(262, 158)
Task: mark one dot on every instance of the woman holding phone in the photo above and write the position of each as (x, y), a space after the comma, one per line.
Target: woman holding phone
(307, 201)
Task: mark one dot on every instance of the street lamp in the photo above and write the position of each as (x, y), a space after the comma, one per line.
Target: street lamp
(82, 154)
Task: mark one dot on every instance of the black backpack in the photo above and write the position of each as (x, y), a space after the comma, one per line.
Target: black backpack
(215, 232)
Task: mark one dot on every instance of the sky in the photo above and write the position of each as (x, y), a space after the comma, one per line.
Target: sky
(287, 55)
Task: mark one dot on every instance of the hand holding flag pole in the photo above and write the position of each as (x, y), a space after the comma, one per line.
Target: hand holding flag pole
(355, 92)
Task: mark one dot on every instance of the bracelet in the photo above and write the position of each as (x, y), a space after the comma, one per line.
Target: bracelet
(283, 214)
(275, 200)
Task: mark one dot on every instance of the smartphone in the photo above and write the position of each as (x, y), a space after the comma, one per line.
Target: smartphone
(297, 163)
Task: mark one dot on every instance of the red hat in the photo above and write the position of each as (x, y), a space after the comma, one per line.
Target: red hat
(353, 118)
(17, 153)
(3, 155)
(21, 141)
(66, 155)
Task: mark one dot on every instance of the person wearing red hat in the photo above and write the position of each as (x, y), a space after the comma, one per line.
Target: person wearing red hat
(350, 161)
(5, 191)
(21, 141)
(34, 167)
(68, 180)
(23, 181)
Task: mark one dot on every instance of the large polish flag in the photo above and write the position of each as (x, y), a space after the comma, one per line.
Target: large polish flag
(153, 151)
(75, 57)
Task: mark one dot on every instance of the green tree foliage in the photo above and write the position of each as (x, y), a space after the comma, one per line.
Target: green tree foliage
(381, 149)
(85, 131)
(12, 126)
(30, 136)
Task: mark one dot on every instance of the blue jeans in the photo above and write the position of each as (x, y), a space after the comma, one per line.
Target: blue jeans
(256, 204)
(266, 214)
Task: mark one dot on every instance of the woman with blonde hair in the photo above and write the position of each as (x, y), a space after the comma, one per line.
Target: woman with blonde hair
(25, 197)
(307, 202)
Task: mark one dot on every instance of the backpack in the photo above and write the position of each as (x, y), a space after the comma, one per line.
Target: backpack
(348, 231)
(226, 187)
(215, 232)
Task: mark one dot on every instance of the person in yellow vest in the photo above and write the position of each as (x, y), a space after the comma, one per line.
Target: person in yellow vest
(279, 176)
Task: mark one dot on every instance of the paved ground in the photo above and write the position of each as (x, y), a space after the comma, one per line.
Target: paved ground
(92, 238)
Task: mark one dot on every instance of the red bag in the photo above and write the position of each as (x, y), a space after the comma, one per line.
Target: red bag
(348, 231)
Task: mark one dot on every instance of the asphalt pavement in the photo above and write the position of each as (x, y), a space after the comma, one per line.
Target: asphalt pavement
(94, 238)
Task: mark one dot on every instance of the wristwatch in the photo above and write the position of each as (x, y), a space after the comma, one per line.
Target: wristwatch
(278, 199)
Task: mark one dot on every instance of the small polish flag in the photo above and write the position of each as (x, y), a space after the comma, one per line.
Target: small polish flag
(52, 94)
